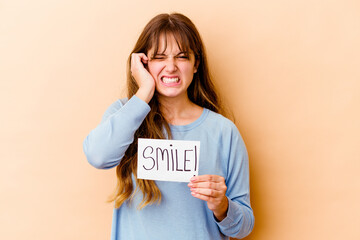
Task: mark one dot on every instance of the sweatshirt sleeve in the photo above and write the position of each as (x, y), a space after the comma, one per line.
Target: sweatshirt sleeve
(105, 145)
(239, 221)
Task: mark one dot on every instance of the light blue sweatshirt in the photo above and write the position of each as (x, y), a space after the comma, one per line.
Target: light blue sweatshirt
(179, 216)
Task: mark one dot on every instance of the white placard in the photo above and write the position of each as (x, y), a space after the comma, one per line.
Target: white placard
(168, 160)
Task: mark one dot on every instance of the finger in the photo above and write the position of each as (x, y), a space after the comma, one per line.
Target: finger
(210, 185)
(134, 59)
(208, 192)
(202, 197)
(144, 57)
(139, 57)
(207, 178)
(138, 60)
(145, 60)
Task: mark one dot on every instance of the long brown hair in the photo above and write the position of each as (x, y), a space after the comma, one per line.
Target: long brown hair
(201, 92)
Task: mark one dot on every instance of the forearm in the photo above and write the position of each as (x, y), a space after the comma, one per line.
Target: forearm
(221, 212)
(145, 93)
(106, 144)
(239, 221)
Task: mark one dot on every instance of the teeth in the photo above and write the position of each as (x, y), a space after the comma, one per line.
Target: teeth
(170, 80)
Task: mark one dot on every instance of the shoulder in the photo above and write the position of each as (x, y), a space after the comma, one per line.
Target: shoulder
(220, 122)
(223, 130)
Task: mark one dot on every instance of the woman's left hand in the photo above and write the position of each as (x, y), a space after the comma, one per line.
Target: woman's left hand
(212, 189)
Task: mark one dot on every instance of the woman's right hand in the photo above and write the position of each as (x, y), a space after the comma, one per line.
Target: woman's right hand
(142, 76)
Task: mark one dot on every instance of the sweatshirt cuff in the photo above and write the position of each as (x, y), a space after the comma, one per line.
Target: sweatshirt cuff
(232, 217)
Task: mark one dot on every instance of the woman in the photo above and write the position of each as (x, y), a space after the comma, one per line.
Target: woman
(171, 96)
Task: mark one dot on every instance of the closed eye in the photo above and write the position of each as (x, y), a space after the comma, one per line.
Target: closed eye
(183, 56)
(159, 57)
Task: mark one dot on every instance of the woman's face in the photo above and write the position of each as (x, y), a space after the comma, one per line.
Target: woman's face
(171, 69)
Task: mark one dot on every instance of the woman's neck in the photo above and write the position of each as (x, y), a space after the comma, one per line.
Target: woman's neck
(179, 111)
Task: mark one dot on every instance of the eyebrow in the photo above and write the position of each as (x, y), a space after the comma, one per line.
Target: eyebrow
(162, 54)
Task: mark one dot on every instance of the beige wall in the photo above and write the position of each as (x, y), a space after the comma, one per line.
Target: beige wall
(289, 70)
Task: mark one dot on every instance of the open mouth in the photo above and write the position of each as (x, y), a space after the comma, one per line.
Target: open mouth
(170, 79)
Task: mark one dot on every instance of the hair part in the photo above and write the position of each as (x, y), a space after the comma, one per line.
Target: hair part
(201, 92)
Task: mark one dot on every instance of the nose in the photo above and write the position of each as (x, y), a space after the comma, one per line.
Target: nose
(170, 65)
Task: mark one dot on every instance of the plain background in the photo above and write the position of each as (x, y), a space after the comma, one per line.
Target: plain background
(289, 71)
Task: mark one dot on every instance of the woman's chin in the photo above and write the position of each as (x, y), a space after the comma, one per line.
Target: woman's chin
(171, 94)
